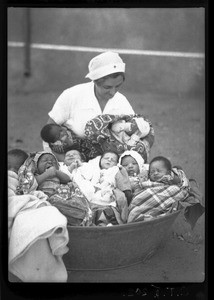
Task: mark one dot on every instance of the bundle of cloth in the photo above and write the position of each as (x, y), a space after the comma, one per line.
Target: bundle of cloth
(37, 236)
(100, 130)
(104, 189)
(158, 199)
(67, 198)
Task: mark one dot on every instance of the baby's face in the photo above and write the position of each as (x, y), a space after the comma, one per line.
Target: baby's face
(45, 162)
(131, 165)
(157, 170)
(71, 156)
(61, 134)
(108, 160)
(118, 126)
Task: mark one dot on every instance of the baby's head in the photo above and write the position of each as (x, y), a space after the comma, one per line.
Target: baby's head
(158, 167)
(52, 133)
(118, 126)
(45, 160)
(132, 161)
(16, 158)
(108, 159)
(72, 156)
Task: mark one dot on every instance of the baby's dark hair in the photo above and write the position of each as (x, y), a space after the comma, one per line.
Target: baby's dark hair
(46, 133)
(165, 160)
(108, 151)
(16, 158)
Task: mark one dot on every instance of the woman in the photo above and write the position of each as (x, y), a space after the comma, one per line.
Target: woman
(80, 103)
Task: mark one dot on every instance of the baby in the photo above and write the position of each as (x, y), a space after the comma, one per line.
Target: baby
(48, 175)
(61, 139)
(160, 170)
(99, 178)
(16, 158)
(119, 133)
(121, 128)
(106, 181)
(72, 160)
(133, 162)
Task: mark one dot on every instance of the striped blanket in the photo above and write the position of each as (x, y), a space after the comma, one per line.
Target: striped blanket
(157, 198)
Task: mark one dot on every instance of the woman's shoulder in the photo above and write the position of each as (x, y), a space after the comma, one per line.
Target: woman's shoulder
(79, 88)
(121, 97)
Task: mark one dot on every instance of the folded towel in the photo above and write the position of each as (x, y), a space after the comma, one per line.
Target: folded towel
(38, 239)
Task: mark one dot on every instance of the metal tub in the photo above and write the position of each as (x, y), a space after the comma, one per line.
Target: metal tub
(103, 248)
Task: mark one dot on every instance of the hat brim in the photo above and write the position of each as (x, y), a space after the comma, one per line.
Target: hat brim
(106, 70)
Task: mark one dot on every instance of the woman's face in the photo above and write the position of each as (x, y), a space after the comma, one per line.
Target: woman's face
(108, 160)
(131, 165)
(72, 156)
(45, 162)
(108, 88)
(157, 170)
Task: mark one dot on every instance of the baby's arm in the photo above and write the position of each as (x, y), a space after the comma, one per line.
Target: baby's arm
(74, 165)
(49, 173)
(171, 179)
(176, 180)
(63, 177)
(52, 172)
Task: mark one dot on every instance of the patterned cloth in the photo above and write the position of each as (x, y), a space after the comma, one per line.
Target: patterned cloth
(87, 148)
(103, 215)
(27, 181)
(97, 131)
(70, 201)
(157, 198)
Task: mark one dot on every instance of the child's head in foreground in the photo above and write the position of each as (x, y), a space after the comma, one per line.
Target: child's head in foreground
(51, 133)
(72, 156)
(16, 158)
(108, 159)
(45, 160)
(132, 161)
(158, 167)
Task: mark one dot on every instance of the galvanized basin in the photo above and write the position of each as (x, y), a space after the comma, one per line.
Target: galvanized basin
(103, 248)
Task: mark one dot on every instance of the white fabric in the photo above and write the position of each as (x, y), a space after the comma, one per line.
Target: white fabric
(107, 184)
(64, 168)
(78, 104)
(12, 182)
(104, 64)
(143, 126)
(88, 178)
(38, 237)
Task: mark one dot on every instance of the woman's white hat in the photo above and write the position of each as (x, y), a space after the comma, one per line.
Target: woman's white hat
(104, 64)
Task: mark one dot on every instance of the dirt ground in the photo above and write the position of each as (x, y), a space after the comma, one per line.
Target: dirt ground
(179, 124)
